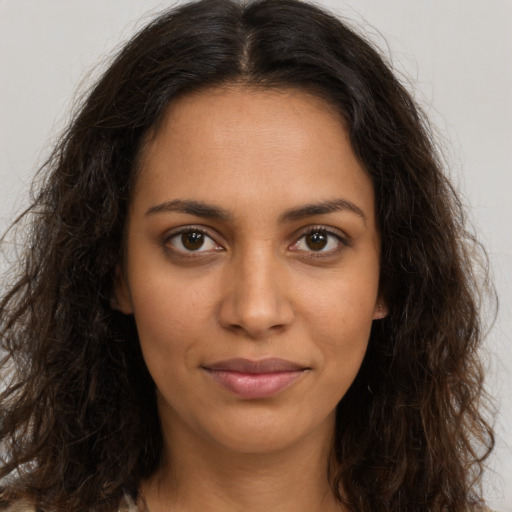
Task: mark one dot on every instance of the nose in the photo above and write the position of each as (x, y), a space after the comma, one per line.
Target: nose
(256, 302)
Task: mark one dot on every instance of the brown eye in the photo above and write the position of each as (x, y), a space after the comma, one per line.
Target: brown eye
(320, 241)
(193, 240)
(316, 241)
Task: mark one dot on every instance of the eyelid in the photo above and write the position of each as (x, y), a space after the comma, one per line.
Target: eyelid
(186, 229)
(344, 239)
(328, 229)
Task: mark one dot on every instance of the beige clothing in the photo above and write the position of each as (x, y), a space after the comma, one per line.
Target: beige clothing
(126, 505)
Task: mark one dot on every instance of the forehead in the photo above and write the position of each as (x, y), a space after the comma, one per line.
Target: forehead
(217, 143)
(221, 117)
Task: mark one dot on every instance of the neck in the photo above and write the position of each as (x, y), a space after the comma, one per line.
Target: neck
(198, 474)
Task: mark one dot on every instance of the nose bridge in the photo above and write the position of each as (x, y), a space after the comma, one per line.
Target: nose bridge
(256, 301)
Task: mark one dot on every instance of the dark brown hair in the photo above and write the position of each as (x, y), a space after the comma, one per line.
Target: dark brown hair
(79, 423)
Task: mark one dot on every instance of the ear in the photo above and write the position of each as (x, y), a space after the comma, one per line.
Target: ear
(121, 298)
(381, 309)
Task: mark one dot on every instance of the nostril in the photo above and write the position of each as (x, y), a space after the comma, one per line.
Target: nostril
(256, 319)
(254, 331)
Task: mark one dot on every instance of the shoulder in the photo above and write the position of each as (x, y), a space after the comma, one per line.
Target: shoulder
(20, 506)
(127, 505)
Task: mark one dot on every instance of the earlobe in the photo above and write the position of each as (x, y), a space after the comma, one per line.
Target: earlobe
(121, 299)
(381, 310)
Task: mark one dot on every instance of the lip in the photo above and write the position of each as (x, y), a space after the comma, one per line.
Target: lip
(252, 380)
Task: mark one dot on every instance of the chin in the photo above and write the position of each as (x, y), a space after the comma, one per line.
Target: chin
(265, 433)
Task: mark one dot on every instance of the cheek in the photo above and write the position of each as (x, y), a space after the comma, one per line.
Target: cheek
(344, 301)
(343, 339)
(339, 316)
(171, 318)
(343, 342)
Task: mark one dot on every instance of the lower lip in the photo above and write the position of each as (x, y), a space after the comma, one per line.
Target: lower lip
(255, 385)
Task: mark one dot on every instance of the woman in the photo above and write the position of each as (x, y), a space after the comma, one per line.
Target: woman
(185, 336)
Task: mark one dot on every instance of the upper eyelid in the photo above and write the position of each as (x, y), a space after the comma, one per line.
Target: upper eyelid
(189, 227)
(319, 227)
(168, 235)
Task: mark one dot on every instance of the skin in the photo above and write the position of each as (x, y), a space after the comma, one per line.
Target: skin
(258, 287)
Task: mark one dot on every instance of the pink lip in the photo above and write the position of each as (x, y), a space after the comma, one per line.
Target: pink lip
(255, 379)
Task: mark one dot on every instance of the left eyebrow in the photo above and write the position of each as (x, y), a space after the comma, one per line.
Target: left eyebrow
(190, 207)
(310, 210)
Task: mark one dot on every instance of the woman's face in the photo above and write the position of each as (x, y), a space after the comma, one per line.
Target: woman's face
(252, 267)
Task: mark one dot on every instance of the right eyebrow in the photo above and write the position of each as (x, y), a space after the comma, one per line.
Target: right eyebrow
(191, 207)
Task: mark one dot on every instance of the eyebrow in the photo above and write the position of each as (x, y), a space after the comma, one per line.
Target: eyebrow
(310, 210)
(197, 208)
(205, 210)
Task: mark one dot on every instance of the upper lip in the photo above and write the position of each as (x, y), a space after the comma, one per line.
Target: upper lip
(270, 365)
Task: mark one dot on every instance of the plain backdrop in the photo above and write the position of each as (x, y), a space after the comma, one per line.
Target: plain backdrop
(455, 55)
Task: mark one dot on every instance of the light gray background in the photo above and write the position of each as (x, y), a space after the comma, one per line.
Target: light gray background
(455, 54)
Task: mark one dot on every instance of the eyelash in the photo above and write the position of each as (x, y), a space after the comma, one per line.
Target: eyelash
(342, 242)
(190, 253)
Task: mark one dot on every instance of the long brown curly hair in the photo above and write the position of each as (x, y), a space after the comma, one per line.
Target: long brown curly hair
(79, 423)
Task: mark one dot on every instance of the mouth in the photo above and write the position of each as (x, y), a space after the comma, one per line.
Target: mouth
(252, 380)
